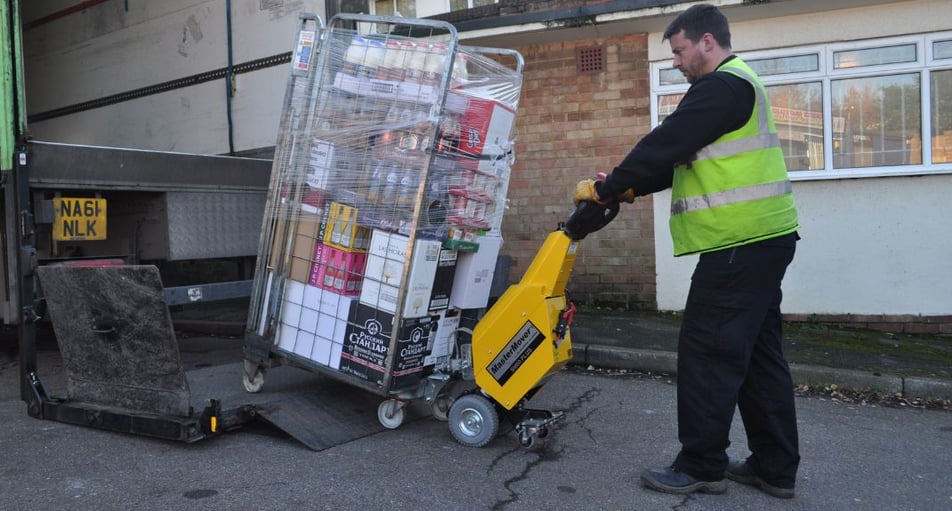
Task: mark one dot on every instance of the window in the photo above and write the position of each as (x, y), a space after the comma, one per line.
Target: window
(798, 114)
(785, 65)
(881, 119)
(403, 8)
(869, 108)
(459, 5)
(874, 56)
(942, 50)
(942, 116)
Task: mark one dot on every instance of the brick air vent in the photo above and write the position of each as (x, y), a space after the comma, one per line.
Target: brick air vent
(590, 60)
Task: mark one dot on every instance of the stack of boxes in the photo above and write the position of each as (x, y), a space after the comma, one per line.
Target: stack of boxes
(398, 206)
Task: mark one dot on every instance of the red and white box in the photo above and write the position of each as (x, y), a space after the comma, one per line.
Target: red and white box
(485, 125)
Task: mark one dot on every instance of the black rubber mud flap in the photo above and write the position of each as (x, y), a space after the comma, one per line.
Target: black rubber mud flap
(116, 338)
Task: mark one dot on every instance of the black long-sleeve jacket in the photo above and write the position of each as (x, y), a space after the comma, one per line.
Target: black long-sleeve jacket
(715, 104)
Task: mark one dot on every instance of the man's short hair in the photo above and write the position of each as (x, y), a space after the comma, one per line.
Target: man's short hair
(699, 20)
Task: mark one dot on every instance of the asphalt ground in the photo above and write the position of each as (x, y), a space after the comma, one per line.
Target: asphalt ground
(863, 457)
(619, 402)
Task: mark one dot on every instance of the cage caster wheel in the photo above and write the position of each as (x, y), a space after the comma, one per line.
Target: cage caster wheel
(390, 413)
(441, 408)
(252, 377)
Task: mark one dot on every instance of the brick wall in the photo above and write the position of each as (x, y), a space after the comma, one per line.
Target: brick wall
(894, 323)
(570, 126)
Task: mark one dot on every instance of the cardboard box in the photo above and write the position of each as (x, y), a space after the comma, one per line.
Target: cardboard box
(413, 344)
(424, 262)
(331, 328)
(304, 344)
(341, 229)
(474, 275)
(300, 269)
(443, 279)
(382, 280)
(366, 343)
(308, 225)
(337, 270)
(442, 342)
(485, 125)
(370, 338)
(389, 245)
(294, 292)
(386, 271)
(386, 89)
(320, 164)
(379, 295)
(286, 337)
(313, 323)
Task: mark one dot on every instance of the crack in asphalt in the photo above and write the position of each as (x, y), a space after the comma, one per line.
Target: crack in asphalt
(544, 454)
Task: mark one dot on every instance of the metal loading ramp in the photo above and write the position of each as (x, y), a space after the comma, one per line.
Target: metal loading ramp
(124, 372)
(317, 411)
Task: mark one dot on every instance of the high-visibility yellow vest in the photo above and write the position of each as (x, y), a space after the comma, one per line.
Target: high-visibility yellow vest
(736, 190)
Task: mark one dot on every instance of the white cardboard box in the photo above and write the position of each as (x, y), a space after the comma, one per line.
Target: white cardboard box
(425, 259)
(474, 275)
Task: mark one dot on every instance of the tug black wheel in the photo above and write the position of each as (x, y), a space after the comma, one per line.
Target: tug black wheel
(473, 420)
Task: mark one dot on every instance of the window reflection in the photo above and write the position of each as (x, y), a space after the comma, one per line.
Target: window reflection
(798, 113)
(880, 119)
(874, 56)
(942, 116)
(785, 65)
(942, 50)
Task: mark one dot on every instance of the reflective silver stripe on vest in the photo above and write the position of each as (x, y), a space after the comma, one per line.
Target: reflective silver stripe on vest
(741, 145)
(763, 140)
(732, 196)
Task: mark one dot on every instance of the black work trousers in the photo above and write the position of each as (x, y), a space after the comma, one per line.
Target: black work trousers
(730, 355)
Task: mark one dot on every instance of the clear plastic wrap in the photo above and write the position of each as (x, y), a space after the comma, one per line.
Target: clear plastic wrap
(393, 158)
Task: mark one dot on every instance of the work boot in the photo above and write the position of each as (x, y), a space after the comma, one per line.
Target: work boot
(740, 471)
(672, 480)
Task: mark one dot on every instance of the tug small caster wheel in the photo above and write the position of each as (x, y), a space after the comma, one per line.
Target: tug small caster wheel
(526, 439)
(473, 420)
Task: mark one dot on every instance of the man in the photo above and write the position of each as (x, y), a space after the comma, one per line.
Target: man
(731, 203)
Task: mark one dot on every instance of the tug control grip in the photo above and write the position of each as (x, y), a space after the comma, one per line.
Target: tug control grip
(589, 217)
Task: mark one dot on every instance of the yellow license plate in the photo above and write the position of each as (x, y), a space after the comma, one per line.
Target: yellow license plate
(79, 219)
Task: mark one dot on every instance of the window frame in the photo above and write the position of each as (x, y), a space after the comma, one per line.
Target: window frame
(924, 65)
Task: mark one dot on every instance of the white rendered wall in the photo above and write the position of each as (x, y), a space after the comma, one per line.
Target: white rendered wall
(870, 246)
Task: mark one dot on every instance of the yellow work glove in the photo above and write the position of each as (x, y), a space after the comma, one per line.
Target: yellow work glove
(629, 194)
(585, 191)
